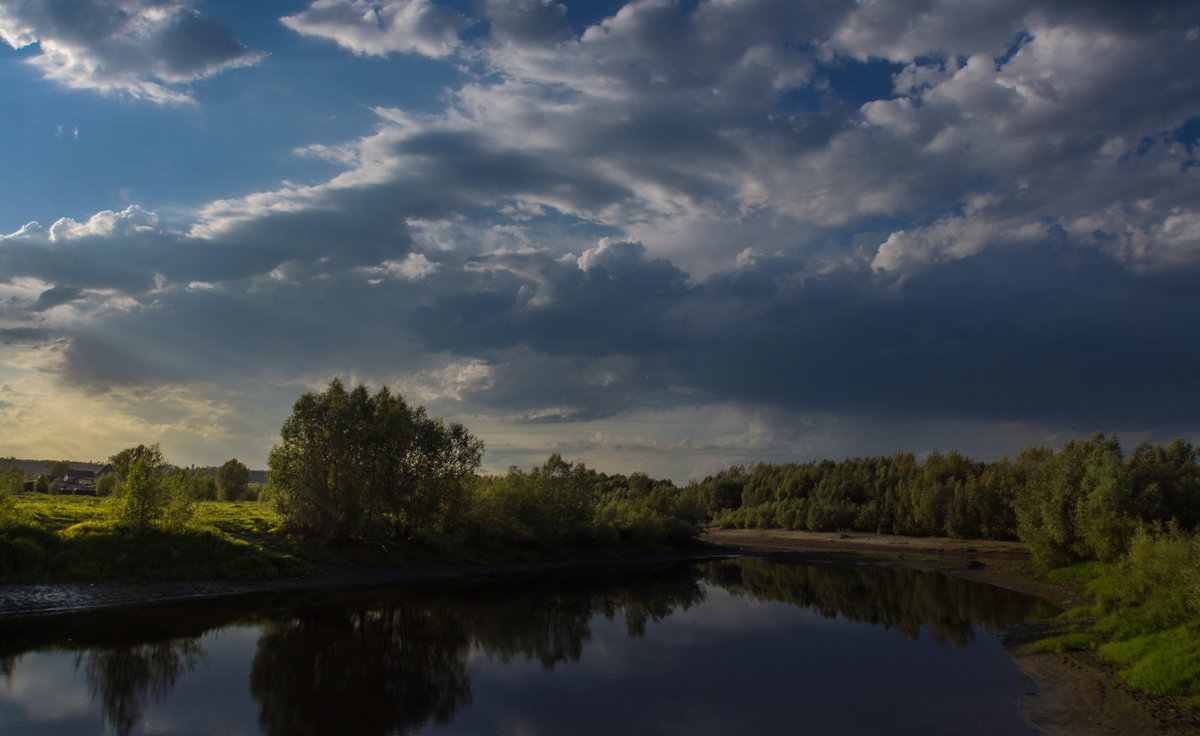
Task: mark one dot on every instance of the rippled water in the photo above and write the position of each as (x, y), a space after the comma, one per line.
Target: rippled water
(731, 647)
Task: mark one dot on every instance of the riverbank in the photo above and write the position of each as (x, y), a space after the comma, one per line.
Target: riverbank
(46, 599)
(1073, 694)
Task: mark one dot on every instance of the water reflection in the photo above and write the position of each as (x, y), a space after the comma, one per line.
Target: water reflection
(122, 679)
(905, 601)
(389, 669)
(379, 662)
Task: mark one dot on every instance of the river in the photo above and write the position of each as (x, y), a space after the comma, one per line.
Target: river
(740, 646)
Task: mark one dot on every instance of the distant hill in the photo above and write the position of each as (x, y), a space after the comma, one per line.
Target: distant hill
(37, 467)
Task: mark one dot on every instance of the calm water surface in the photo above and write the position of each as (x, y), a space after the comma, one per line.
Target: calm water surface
(731, 647)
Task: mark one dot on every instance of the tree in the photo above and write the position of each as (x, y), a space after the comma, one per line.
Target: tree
(107, 484)
(352, 465)
(146, 496)
(232, 480)
(12, 481)
(122, 460)
(12, 478)
(57, 469)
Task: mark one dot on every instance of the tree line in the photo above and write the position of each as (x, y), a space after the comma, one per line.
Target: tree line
(1082, 501)
(352, 465)
(355, 466)
(229, 482)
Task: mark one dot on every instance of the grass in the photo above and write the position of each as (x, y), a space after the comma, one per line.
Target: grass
(50, 537)
(1147, 613)
(1078, 641)
(1163, 663)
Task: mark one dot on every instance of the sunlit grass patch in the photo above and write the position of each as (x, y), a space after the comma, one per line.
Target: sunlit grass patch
(78, 538)
(1074, 642)
(55, 512)
(101, 550)
(1079, 571)
(1163, 663)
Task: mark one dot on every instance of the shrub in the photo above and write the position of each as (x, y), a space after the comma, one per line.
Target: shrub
(146, 497)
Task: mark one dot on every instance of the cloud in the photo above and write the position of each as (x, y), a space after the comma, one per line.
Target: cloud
(381, 28)
(822, 216)
(143, 48)
(528, 22)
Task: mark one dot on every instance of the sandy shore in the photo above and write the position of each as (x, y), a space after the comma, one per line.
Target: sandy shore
(1070, 694)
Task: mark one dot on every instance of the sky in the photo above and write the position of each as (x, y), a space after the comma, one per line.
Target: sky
(666, 236)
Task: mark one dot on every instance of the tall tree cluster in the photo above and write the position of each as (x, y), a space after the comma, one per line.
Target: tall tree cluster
(1083, 501)
(355, 465)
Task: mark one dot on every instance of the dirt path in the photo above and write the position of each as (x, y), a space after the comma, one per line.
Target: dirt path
(1074, 694)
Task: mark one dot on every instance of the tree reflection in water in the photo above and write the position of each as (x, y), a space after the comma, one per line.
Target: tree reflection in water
(548, 620)
(123, 679)
(379, 662)
(896, 599)
(359, 666)
(361, 671)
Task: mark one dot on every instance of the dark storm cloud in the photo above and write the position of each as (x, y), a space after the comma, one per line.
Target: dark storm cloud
(253, 328)
(1038, 334)
(614, 301)
(966, 213)
(28, 335)
(461, 169)
(1052, 332)
(55, 296)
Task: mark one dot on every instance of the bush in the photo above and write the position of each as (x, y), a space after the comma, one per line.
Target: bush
(146, 497)
(20, 557)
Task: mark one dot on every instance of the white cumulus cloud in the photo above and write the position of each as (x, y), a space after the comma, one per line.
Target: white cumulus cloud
(146, 49)
(381, 28)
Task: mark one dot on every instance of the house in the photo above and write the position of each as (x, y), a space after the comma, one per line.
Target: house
(81, 478)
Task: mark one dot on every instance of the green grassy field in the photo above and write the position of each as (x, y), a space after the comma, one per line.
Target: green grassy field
(50, 537)
(47, 537)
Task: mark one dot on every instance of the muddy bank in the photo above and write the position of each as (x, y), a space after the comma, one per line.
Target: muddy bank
(1072, 694)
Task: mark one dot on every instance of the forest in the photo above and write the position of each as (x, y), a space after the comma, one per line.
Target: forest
(1084, 500)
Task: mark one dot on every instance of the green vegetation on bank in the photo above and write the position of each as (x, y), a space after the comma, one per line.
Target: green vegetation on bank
(1126, 524)
(79, 538)
(356, 479)
(1147, 613)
